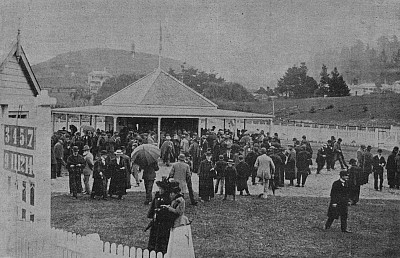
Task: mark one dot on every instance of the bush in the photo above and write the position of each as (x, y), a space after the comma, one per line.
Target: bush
(312, 109)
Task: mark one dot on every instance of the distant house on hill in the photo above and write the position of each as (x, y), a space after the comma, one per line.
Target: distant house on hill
(96, 80)
(368, 88)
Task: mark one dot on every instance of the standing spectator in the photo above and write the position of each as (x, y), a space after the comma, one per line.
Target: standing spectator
(303, 166)
(378, 164)
(100, 172)
(276, 158)
(307, 144)
(195, 153)
(264, 165)
(184, 146)
(391, 168)
(250, 159)
(338, 154)
(88, 169)
(243, 172)
(180, 243)
(329, 156)
(149, 175)
(321, 158)
(203, 145)
(360, 156)
(355, 181)
(135, 169)
(338, 207)
(180, 172)
(290, 165)
(75, 164)
(118, 167)
(228, 152)
(275, 141)
(230, 180)
(397, 174)
(367, 164)
(220, 167)
(59, 156)
(167, 150)
(162, 218)
(206, 178)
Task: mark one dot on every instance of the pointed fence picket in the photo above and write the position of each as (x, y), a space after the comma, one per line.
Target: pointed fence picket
(32, 242)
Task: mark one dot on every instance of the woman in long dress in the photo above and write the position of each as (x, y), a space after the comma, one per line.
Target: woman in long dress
(180, 243)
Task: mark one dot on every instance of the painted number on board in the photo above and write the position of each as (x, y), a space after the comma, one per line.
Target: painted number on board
(19, 136)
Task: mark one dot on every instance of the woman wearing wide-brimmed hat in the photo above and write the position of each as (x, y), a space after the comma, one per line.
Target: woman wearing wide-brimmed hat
(162, 219)
(180, 238)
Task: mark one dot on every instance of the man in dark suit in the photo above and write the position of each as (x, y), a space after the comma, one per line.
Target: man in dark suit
(339, 202)
(378, 164)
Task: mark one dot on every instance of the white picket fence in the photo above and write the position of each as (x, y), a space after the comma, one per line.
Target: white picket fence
(33, 242)
(385, 138)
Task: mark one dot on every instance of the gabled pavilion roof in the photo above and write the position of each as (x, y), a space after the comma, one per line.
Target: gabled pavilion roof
(14, 69)
(158, 89)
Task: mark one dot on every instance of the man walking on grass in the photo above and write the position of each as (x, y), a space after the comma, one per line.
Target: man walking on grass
(338, 207)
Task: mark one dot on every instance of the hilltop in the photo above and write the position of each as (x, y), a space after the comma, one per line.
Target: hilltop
(70, 70)
(380, 110)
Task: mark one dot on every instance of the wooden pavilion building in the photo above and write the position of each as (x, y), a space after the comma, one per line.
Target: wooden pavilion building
(156, 102)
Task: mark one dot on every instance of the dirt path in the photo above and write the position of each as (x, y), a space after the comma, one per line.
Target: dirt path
(316, 186)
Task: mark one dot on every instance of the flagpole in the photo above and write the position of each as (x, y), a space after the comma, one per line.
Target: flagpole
(160, 48)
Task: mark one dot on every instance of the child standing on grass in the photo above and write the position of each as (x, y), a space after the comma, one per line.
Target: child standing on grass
(230, 180)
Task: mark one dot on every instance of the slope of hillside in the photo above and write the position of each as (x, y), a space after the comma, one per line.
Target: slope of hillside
(380, 110)
(70, 70)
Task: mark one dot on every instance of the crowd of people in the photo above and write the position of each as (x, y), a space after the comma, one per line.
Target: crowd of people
(223, 161)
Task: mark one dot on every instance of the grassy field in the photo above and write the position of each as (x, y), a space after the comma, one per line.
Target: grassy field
(249, 227)
(367, 110)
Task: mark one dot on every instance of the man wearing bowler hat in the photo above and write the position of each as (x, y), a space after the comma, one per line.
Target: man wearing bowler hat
(75, 165)
(338, 206)
(180, 172)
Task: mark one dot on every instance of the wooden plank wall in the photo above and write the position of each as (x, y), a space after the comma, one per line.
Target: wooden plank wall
(13, 80)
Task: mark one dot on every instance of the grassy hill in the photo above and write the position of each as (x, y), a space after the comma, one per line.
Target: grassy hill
(70, 70)
(369, 110)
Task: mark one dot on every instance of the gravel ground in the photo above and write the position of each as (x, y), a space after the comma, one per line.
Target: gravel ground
(316, 185)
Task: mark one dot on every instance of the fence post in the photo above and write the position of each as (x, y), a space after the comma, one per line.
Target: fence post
(377, 137)
(94, 245)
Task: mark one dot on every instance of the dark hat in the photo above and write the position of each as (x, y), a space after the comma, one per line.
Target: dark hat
(352, 162)
(163, 183)
(304, 137)
(75, 149)
(379, 150)
(181, 156)
(103, 152)
(344, 173)
(369, 147)
(174, 187)
(86, 147)
(208, 153)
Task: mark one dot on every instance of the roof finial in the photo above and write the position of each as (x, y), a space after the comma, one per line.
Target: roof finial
(159, 51)
(18, 52)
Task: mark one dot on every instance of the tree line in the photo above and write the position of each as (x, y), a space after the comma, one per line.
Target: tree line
(295, 83)
(362, 63)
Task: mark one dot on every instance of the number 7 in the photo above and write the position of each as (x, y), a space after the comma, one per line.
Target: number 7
(30, 138)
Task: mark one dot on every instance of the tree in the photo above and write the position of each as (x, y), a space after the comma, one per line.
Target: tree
(295, 83)
(323, 87)
(337, 85)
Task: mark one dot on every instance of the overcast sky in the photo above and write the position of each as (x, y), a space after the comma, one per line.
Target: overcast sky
(251, 41)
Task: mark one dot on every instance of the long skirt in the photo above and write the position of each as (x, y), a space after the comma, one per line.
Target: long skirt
(180, 243)
(117, 185)
(206, 187)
